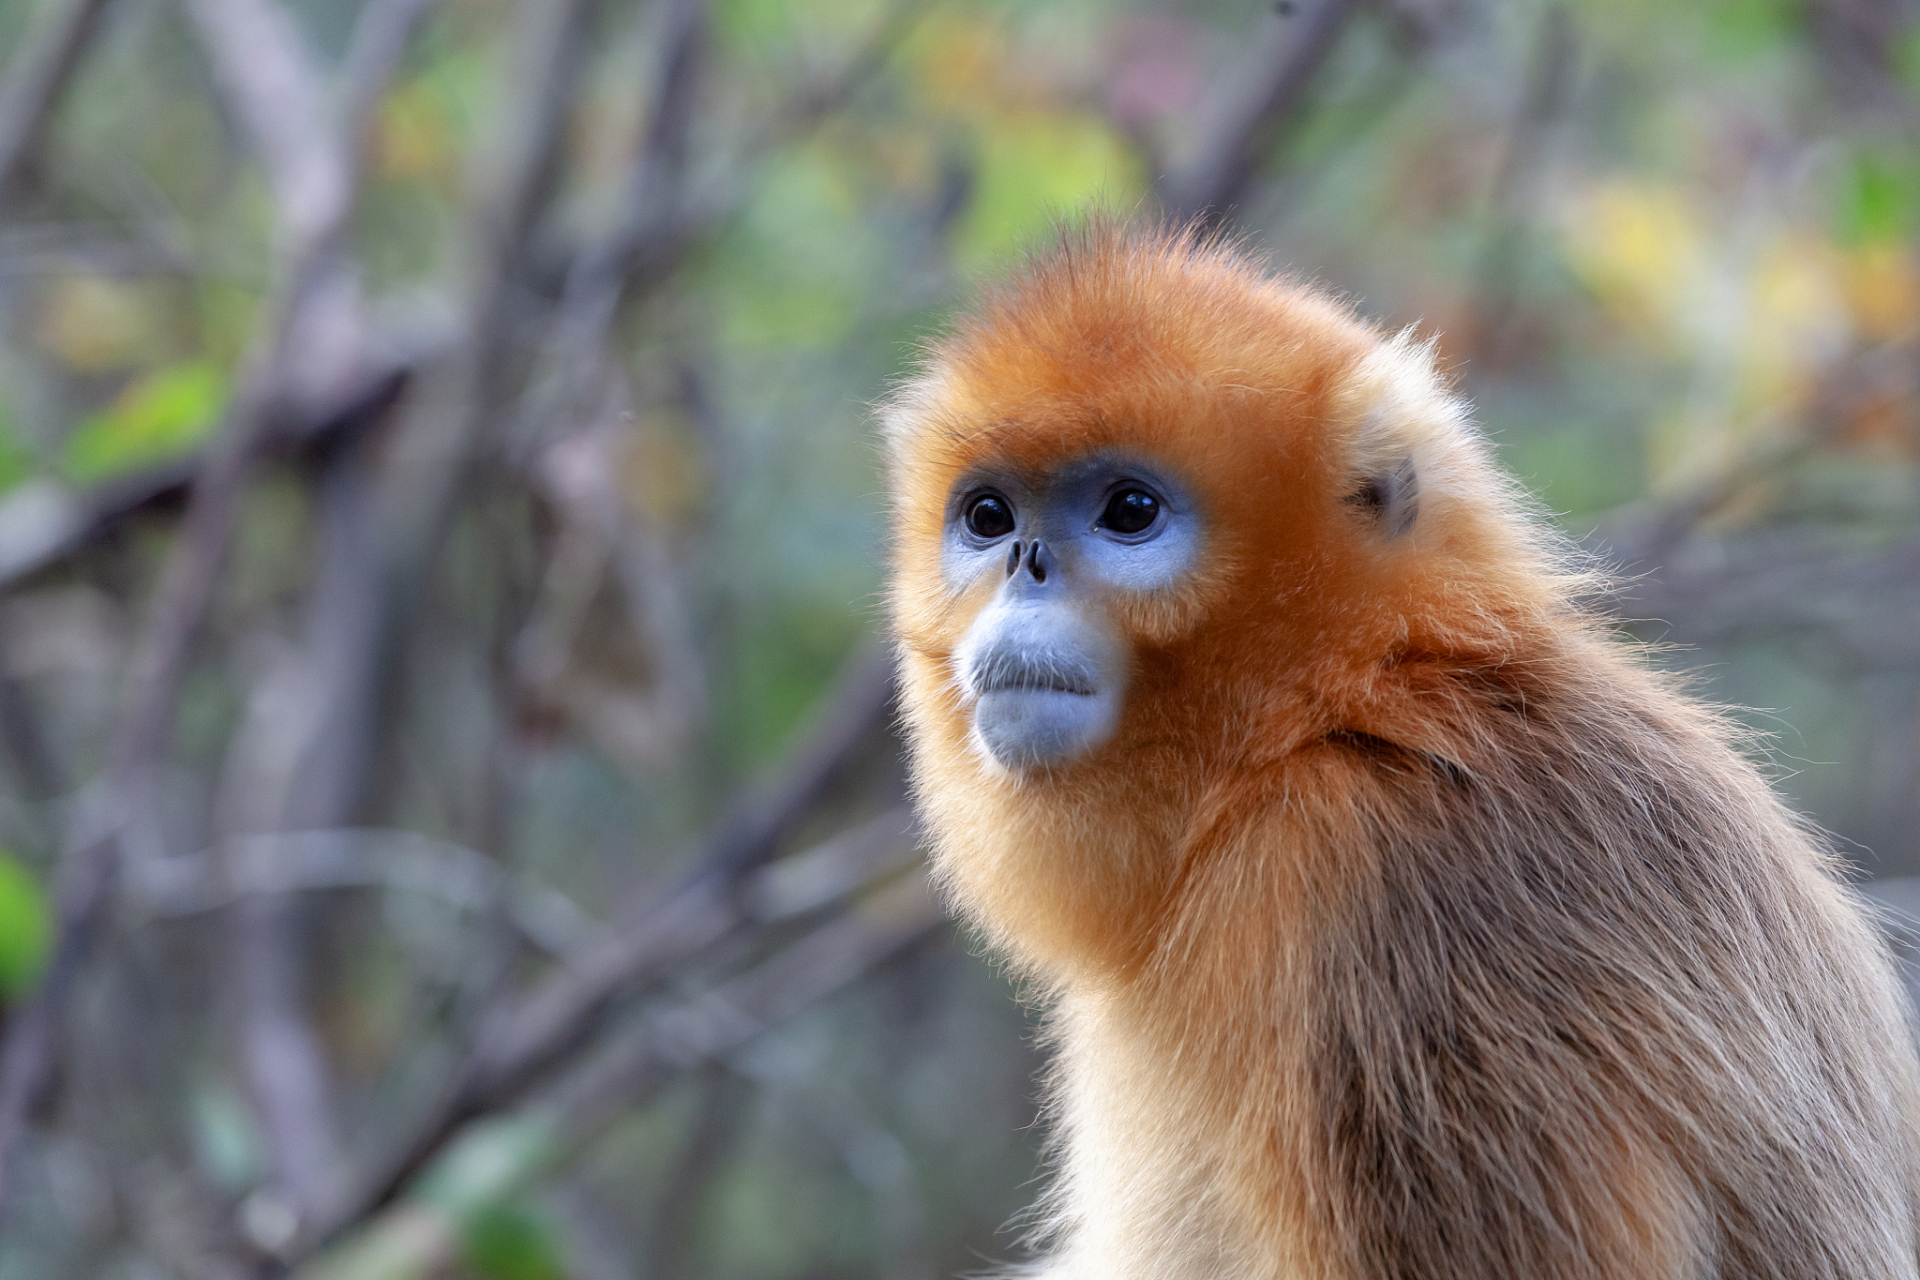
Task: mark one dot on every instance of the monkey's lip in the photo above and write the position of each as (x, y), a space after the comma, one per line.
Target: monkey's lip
(1038, 684)
(1004, 679)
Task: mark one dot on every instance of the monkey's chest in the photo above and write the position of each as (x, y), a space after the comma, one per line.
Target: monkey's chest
(1183, 1159)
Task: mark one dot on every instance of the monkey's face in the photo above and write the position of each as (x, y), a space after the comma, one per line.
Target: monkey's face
(1157, 518)
(1158, 524)
(1043, 668)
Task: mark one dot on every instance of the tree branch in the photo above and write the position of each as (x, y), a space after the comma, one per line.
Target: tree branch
(1641, 533)
(523, 1041)
(379, 534)
(38, 75)
(268, 79)
(312, 151)
(415, 1236)
(42, 523)
(181, 599)
(1266, 96)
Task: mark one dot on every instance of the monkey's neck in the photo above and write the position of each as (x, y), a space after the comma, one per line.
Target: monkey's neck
(1068, 880)
(1101, 883)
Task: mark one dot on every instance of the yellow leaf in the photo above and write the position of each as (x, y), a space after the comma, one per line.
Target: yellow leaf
(1882, 291)
(96, 324)
(1641, 249)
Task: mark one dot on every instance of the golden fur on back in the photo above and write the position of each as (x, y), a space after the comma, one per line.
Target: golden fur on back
(1410, 925)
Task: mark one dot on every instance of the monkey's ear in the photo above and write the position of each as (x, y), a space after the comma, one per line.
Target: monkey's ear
(1391, 497)
(1397, 459)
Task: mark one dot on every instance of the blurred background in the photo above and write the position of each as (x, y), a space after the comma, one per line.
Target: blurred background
(452, 825)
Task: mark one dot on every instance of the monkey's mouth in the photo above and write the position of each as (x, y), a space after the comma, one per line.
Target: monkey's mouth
(1041, 685)
(1000, 673)
(1038, 707)
(1034, 683)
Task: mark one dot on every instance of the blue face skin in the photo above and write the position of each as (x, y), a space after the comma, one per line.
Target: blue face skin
(1043, 666)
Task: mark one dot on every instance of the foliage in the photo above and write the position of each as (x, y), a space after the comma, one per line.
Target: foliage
(25, 927)
(159, 417)
(511, 1244)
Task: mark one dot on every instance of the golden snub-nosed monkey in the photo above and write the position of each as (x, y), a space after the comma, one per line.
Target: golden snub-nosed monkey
(1394, 919)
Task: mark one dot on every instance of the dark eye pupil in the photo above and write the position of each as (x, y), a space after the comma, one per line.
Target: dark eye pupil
(989, 516)
(1130, 511)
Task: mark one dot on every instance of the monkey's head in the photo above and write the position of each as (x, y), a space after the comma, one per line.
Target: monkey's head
(1160, 520)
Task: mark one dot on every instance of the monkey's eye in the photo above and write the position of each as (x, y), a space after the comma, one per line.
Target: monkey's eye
(1130, 511)
(989, 516)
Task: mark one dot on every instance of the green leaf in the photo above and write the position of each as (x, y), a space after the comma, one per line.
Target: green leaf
(1879, 200)
(1744, 29)
(791, 273)
(17, 462)
(158, 417)
(26, 927)
(1036, 168)
(753, 24)
(508, 1243)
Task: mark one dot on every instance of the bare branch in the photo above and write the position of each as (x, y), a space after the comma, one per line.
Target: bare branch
(373, 58)
(635, 1064)
(367, 858)
(312, 157)
(379, 537)
(415, 1236)
(658, 219)
(439, 437)
(1644, 531)
(671, 1221)
(529, 1038)
(308, 135)
(43, 523)
(88, 873)
(267, 75)
(180, 604)
(286, 1063)
(1541, 105)
(601, 540)
(38, 75)
(33, 757)
(1264, 97)
(1857, 608)
(602, 273)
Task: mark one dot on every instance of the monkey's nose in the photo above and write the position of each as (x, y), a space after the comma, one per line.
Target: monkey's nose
(1031, 556)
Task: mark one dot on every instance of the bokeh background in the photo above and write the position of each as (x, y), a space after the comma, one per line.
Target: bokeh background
(452, 825)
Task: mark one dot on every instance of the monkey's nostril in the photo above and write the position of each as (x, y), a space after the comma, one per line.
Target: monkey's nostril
(1036, 565)
(1013, 558)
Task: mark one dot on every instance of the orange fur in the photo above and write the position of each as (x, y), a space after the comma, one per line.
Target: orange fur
(1409, 925)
